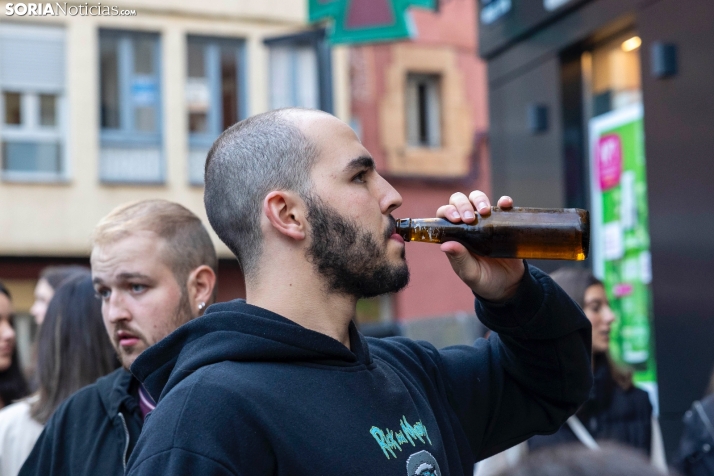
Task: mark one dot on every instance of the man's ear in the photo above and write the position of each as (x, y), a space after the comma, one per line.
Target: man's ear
(286, 213)
(200, 287)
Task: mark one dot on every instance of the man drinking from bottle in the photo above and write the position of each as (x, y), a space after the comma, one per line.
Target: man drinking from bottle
(284, 384)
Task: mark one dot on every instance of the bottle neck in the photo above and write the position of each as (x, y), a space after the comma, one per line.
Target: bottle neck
(404, 228)
(426, 230)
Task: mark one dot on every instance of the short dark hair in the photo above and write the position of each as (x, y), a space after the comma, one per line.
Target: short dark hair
(13, 385)
(577, 460)
(73, 347)
(249, 160)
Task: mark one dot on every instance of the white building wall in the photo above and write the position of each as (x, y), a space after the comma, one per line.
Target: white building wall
(56, 219)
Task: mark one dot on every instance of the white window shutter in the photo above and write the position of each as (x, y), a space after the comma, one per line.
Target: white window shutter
(32, 57)
(307, 94)
(280, 77)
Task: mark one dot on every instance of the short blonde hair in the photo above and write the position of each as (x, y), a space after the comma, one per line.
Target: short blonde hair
(188, 243)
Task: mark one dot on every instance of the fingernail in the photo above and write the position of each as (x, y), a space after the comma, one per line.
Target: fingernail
(468, 215)
(455, 215)
(482, 206)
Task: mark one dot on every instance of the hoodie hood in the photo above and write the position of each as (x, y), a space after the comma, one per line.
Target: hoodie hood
(239, 332)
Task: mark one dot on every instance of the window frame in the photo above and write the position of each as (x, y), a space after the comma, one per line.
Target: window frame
(212, 66)
(317, 40)
(30, 129)
(126, 136)
(433, 114)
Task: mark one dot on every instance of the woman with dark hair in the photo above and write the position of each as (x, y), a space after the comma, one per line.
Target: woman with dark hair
(12, 383)
(616, 411)
(74, 351)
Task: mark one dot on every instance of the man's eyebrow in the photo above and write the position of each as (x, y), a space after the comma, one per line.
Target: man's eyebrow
(127, 276)
(123, 277)
(363, 162)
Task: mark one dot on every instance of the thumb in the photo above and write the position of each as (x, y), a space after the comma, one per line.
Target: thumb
(462, 262)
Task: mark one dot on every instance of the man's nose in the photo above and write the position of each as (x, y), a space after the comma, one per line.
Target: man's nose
(390, 198)
(115, 308)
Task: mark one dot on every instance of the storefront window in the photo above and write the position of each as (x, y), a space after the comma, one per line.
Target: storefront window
(615, 73)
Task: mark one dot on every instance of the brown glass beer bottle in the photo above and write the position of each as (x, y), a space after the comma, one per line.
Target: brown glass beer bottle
(532, 233)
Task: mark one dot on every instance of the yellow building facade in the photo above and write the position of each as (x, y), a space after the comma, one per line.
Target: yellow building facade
(98, 110)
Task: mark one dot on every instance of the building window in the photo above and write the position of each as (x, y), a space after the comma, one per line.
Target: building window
(130, 102)
(32, 85)
(214, 95)
(423, 110)
(300, 71)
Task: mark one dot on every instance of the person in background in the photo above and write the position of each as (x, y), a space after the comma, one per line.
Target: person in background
(577, 460)
(616, 411)
(153, 268)
(12, 383)
(74, 351)
(695, 456)
(50, 279)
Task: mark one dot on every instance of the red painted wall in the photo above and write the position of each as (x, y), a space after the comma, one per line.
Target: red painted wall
(435, 290)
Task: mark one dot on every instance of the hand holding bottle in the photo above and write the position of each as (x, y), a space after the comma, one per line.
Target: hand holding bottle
(495, 279)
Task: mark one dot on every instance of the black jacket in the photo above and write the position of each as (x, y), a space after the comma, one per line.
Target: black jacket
(92, 433)
(244, 391)
(610, 414)
(696, 449)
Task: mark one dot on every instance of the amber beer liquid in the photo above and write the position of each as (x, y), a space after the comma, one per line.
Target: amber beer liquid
(532, 233)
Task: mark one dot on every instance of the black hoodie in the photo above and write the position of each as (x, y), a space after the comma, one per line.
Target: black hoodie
(244, 391)
(91, 433)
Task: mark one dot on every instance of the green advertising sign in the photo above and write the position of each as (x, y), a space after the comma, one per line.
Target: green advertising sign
(367, 21)
(621, 244)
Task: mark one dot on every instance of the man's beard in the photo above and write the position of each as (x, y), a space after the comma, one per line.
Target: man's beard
(183, 312)
(351, 259)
